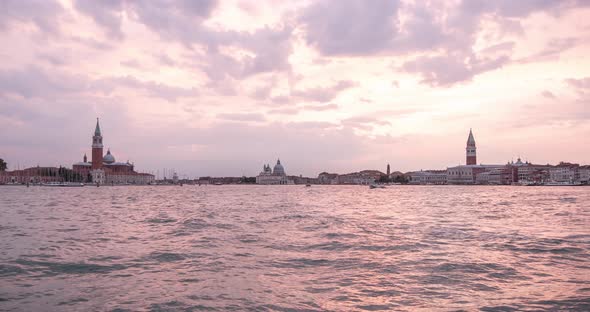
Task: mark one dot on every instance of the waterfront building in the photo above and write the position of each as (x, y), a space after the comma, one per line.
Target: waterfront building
(303, 180)
(364, 177)
(397, 175)
(584, 174)
(427, 177)
(328, 178)
(273, 177)
(105, 169)
(565, 173)
(34, 175)
(467, 174)
(528, 173)
(495, 176)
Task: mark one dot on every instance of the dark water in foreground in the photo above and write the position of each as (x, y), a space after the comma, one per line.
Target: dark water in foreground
(291, 248)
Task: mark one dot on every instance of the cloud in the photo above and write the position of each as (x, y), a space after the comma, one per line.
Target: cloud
(450, 69)
(440, 36)
(36, 82)
(323, 94)
(350, 27)
(107, 14)
(582, 84)
(325, 107)
(284, 111)
(183, 21)
(311, 125)
(548, 94)
(131, 63)
(241, 116)
(553, 49)
(32, 81)
(93, 43)
(366, 123)
(164, 59)
(44, 14)
(281, 79)
(153, 89)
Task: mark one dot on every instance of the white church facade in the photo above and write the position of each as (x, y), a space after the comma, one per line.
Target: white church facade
(276, 176)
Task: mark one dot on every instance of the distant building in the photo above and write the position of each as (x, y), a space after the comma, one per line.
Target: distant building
(528, 173)
(468, 174)
(501, 175)
(328, 178)
(565, 172)
(396, 175)
(276, 176)
(33, 175)
(303, 180)
(105, 169)
(427, 177)
(584, 174)
(362, 177)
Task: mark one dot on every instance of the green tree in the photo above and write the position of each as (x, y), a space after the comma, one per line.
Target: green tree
(3, 165)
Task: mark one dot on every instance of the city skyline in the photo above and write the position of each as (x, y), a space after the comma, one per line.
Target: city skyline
(249, 85)
(123, 171)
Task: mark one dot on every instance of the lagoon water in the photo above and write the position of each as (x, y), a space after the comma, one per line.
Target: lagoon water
(292, 248)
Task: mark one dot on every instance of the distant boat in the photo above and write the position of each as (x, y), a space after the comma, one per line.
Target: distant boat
(63, 184)
(307, 185)
(374, 186)
(218, 183)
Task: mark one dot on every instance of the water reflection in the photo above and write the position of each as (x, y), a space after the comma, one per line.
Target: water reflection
(291, 248)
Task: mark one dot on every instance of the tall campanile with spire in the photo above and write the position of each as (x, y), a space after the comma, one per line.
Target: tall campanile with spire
(471, 150)
(97, 148)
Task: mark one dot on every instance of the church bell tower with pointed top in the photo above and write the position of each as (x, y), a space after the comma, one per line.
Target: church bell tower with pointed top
(470, 150)
(97, 147)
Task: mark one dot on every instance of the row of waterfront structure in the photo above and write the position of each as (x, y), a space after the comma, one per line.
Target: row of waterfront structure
(519, 172)
(104, 169)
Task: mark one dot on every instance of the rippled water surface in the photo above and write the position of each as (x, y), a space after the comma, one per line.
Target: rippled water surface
(292, 248)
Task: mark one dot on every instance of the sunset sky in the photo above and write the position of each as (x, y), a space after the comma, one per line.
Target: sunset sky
(222, 87)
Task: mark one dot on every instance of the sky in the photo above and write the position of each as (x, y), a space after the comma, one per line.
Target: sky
(221, 87)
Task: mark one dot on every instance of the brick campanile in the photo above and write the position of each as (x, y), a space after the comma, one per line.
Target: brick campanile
(470, 150)
(97, 148)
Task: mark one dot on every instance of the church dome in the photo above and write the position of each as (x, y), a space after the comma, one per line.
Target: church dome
(278, 169)
(108, 158)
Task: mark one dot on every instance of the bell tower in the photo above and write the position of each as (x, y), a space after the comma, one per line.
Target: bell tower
(97, 147)
(470, 150)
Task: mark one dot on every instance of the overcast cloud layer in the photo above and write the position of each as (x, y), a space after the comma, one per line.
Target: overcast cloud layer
(221, 87)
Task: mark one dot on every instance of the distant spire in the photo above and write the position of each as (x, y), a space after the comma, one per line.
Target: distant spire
(278, 161)
(97, 130)
(470, 139)
(85, 158)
